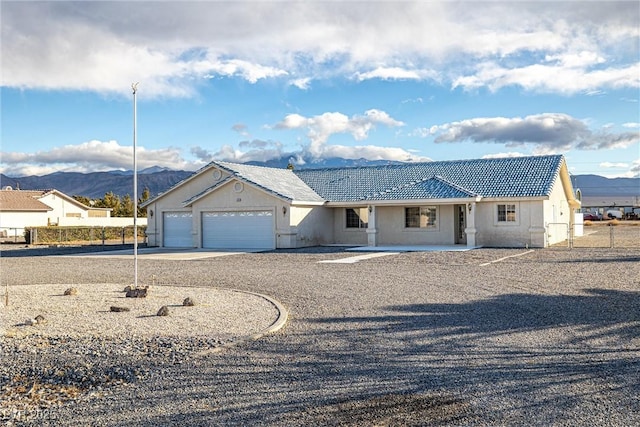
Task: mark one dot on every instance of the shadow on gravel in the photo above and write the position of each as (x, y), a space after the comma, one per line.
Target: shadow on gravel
(514, 359)
(604, 260)
(62, 250)
(545, 350)
(616, 311)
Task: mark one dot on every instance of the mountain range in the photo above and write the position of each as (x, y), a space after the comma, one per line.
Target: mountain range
(95, 185)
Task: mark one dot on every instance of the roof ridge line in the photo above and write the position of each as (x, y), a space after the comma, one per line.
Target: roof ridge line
(456, 186)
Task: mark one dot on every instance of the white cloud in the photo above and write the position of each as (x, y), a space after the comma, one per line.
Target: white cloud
(547, 133)
(171, 47)
(91, 156)
(301, 83)
(247, 70)
(241, 128)
(396, 73)
(421, 132)
(631, 125)
(632, 169)
(614, 165)
(321, 127)
(550, 78)
(370, 152)
(503, 155)
(319, 130)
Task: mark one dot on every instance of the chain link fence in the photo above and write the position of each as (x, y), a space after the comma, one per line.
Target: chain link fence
(610, 234)
(83, 235)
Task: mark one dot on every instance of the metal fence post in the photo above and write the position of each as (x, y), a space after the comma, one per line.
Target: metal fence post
(571, 230)
(611, 242)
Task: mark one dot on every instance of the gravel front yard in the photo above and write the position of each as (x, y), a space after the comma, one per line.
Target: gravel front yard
(484, 337)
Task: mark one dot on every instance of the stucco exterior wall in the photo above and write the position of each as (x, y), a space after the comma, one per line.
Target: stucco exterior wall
(344, 235)
(62, 208)
(557, 214)
(173, 202)
(20, 220)
(310, 226)
(236, 196)
(526, 231)
(390, 223)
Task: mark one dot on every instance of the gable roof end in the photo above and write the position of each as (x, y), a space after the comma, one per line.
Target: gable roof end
(282, 183)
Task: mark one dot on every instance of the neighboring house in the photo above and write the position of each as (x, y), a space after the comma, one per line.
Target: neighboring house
(507, 202)
(20, 209)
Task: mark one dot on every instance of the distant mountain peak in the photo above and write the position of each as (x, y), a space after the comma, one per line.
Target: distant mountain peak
(159, 179)
(146, 171)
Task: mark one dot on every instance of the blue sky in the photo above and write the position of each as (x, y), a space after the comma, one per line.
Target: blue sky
(241, 81)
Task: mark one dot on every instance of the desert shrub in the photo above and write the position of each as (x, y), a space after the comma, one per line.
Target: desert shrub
(44, 235)
(614, 222)
(588, 223)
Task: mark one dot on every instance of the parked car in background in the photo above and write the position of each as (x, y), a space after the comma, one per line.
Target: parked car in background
(590, 217)
(614, 214)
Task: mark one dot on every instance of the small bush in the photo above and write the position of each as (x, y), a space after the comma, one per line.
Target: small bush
(588, 223)
(53, 234)
(614, 222)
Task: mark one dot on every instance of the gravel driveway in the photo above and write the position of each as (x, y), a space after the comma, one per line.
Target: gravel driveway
(484, 337)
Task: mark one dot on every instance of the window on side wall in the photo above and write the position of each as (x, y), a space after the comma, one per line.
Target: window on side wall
(421, 217)
(507, 213)
(357, 217)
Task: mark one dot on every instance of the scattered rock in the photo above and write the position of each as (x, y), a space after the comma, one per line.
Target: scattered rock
(119, 309)
(38, 320)
(71, 291)
(138, 292)
(188, 302)
(164, 311)
(127, 288)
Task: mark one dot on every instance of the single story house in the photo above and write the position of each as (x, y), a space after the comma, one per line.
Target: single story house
(504, 202)
(20, 209)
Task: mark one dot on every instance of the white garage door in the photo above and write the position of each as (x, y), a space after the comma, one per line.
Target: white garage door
(238, 230)
(176, 230)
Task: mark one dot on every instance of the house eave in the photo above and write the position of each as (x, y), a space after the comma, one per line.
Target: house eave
(304, 203)
(515, 199)
(406, 202)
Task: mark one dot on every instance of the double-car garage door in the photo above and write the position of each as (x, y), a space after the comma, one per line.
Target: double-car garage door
(222, 230)
(238, 230)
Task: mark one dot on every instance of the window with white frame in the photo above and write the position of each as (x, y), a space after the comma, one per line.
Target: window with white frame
(507, 213)
(421, 217)
(357, 217)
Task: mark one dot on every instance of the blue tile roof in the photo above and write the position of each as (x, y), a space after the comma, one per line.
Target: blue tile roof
(430, 188)
(280, 182)
(532, 176)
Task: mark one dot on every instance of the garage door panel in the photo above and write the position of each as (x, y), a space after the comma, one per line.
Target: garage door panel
(177, 230)
(238, 230)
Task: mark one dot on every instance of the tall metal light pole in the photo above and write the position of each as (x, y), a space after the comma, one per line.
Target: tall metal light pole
(134, 86)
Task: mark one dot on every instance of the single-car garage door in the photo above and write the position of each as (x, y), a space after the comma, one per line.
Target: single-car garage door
(238, 230)
(176, 230)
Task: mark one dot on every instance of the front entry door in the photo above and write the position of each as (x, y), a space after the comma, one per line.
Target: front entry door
(461, 224)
